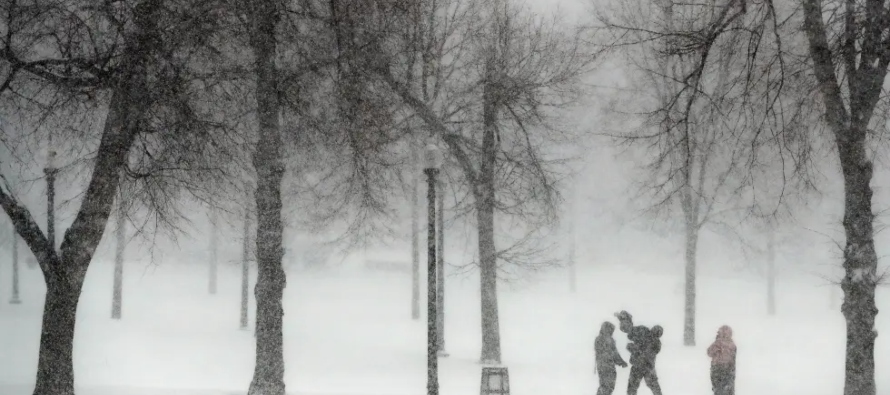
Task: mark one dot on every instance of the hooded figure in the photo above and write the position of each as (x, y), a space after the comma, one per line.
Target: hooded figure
(644, 346)
(607, 357)
(722, 353)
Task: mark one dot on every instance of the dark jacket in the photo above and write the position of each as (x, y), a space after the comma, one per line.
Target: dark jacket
(605, 351)
(644, 343)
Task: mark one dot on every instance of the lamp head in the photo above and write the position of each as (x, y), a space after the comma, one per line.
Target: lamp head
(432, 156)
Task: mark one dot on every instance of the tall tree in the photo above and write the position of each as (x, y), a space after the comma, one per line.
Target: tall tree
(694, 129)
(65, 64)
(515, 75)
(268, 376)
(65, 271)
(846, 63)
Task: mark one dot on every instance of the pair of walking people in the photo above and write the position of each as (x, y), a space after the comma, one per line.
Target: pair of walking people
(644, 346)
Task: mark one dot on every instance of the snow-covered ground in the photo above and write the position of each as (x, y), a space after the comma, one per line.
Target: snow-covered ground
(351, 333)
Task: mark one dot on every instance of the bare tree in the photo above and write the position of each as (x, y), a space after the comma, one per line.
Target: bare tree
(510, 75)
(840, 53)
(709, 151)
(268, 377)
(62, 63)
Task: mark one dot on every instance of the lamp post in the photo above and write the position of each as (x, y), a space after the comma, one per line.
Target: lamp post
(431, 168)
(440, 275)
(15, 268)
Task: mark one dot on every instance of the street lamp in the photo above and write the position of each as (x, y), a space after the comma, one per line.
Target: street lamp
(432, 161)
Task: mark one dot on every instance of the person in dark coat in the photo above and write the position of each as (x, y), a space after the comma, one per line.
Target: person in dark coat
(644, 345)
(607, 357)
(722, 353)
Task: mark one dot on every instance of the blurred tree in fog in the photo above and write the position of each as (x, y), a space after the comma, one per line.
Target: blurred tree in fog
(713, 154)
(784, 53)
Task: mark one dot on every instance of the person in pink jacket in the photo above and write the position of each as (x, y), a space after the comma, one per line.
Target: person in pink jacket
(723, 353)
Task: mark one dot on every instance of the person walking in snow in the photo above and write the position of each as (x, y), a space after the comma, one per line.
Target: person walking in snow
(606, 358)
(644, 346)
(722, 353)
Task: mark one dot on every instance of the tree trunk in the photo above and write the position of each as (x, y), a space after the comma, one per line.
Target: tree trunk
(117, 288)
(15, 269)
(245, 267)
(440, 272)
(771, 274)
(485, 201)
(415, 249)
(573, 233)
(491, 333)
(573, 277)
(214, 246)
(689, 307)
(55, 367)
(432, 362)
(860, 266)
(268, 376)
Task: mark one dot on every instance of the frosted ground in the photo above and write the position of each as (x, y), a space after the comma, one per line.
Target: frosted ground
(349, 333)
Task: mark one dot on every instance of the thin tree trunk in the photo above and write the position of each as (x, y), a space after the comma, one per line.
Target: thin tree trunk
(432, 382)
(491, 333)
(15, 269)
(245, 267)
(415, 249)
(440, 273)
(485, 201)
(117, 288)
(573, 230)
(573, 276)
(268, 376)
(689, 306)
(214, 246)
(771, 275)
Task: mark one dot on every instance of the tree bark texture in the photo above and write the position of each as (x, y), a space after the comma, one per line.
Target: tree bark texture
(485, 205)
(771, 274)
(440, 270)
(850, 124)
(15, 270)
(268, 376)
(690, 277)
(432, 362)
(118, 282)
(245, 267)
(214, 249)
(415, 249)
